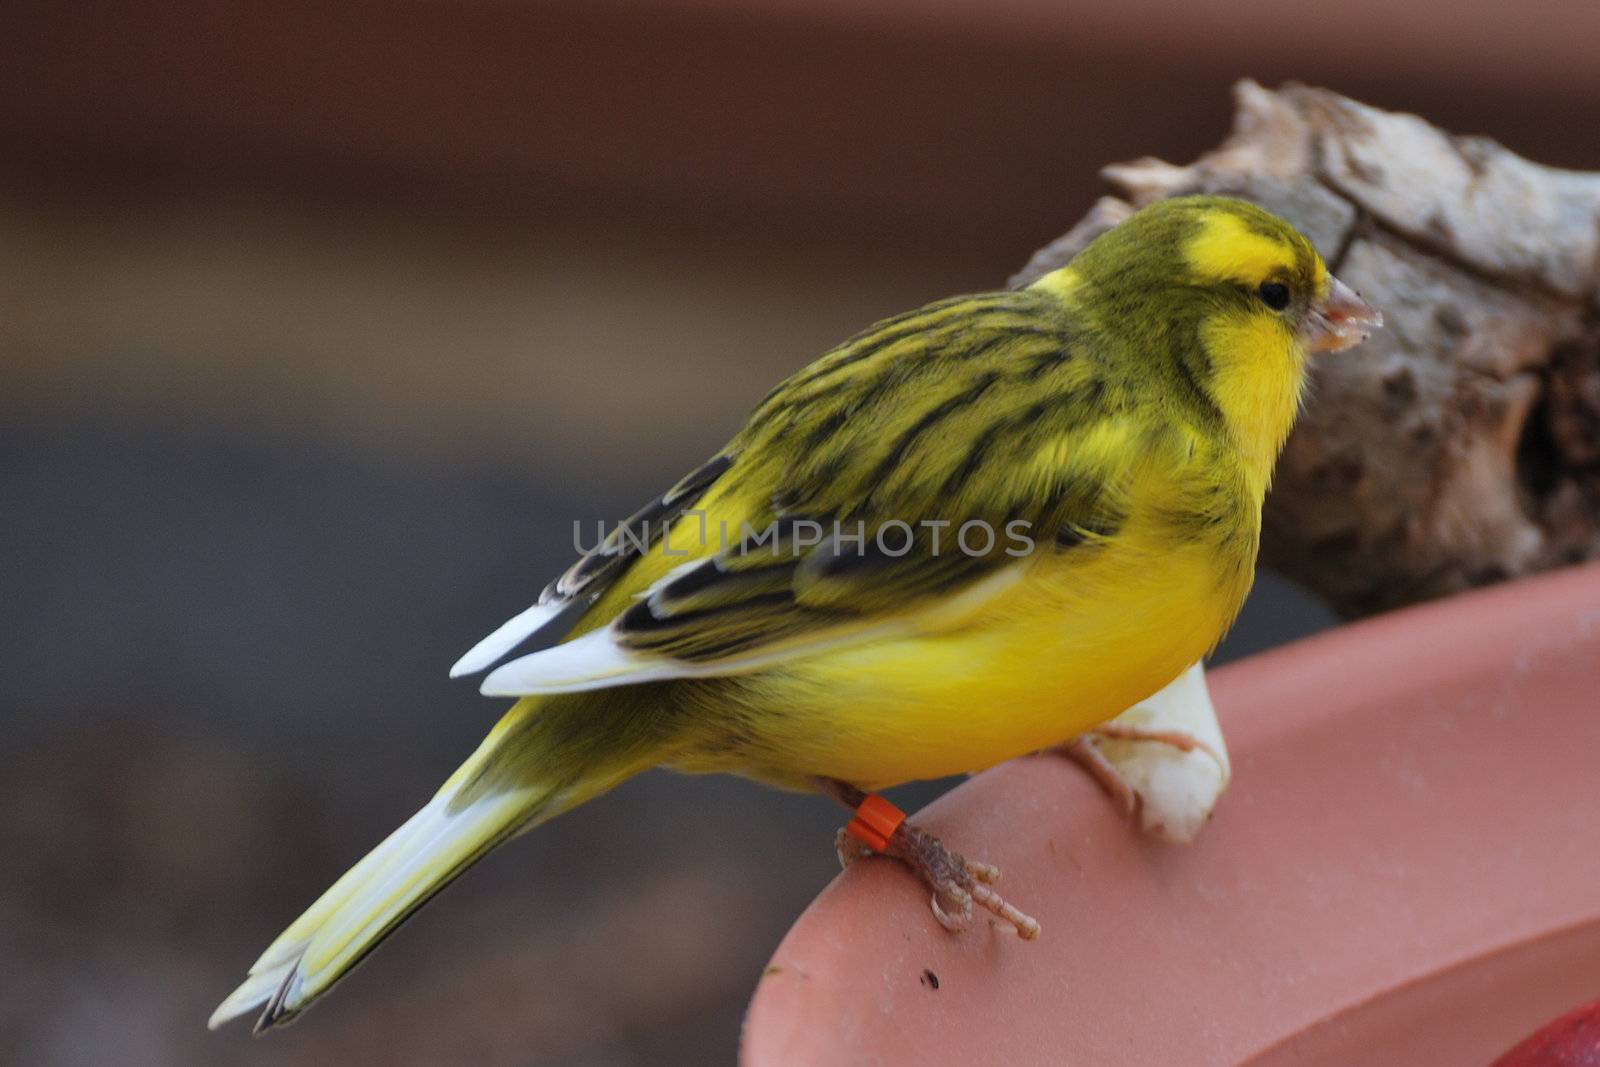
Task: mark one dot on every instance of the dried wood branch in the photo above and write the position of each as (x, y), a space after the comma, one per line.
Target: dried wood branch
(1460, 445)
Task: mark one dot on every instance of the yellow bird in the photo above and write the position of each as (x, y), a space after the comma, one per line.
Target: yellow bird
(972, 531)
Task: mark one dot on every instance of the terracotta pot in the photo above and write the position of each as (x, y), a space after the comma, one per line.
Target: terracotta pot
(1405, 871)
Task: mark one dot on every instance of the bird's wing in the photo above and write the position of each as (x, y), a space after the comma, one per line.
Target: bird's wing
(596, 570)
(802, 584)
(821, 400)
(838, 518)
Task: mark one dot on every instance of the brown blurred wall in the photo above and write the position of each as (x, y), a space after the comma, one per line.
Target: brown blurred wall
(650, 158)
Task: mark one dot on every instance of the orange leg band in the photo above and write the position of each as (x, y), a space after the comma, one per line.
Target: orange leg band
(875, 822)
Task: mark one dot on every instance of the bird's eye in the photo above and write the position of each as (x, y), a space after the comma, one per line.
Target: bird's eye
(1274, 294)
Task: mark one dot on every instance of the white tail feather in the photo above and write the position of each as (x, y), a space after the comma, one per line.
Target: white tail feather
(374, 897)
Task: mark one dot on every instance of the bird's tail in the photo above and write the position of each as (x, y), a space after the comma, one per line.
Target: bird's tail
(469, 816)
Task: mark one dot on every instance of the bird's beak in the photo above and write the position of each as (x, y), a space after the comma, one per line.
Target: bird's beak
(1338, 320)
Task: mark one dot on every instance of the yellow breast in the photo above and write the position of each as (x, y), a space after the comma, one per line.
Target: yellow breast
(1078, 640)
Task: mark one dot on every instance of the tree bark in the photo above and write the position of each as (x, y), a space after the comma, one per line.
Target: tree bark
(1460, 445)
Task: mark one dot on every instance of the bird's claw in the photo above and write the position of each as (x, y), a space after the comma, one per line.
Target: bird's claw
(963, 900)
(848, 848)
(957, 883)
(1026, 926)
(986, 873)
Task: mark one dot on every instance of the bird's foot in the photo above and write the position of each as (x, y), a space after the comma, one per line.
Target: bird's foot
(1085, 753)
(957, 882)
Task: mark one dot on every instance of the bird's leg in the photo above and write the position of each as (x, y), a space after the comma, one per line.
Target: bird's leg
(880, 827)
(1178, 739)
(1085, 753)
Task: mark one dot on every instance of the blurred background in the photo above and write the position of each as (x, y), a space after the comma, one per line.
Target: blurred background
(320, 325)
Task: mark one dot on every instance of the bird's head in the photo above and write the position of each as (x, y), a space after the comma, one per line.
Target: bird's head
(1228, 294)
(1213, 254)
